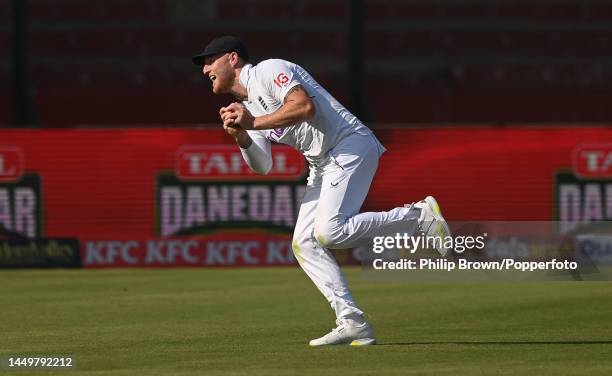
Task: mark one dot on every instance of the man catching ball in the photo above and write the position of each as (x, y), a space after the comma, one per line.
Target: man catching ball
(282, 103)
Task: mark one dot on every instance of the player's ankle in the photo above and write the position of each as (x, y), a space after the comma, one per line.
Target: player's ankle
(355, 319)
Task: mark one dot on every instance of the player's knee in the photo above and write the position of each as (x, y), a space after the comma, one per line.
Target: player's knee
(296, 247)
(327, 233)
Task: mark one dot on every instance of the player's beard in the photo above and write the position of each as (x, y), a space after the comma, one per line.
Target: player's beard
(224, 81)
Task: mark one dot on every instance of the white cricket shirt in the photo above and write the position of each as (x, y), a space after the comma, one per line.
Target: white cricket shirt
(268, 83)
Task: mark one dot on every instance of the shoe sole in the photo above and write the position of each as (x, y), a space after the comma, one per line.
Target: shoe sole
(363, 342)
(356, 342)
(441, 228)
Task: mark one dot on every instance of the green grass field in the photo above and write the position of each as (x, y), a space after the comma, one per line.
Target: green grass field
(259, 321)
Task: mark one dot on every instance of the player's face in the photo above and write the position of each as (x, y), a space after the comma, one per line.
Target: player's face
(220, 72)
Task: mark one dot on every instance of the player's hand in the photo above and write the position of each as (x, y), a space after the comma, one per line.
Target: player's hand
(228, 118)
(234, 131)
(229, 126)
(240, 115)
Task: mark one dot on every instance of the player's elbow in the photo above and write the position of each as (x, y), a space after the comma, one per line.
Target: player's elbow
(267, 168)
(309, 110)
(264, 168)
(304, 108)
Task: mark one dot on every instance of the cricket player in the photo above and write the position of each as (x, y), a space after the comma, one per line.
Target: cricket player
(280, 102)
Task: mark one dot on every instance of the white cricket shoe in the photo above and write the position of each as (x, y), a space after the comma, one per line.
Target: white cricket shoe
(347, 334)
(432, 223)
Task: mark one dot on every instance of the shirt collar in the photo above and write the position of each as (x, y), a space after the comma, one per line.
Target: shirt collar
(245, 74)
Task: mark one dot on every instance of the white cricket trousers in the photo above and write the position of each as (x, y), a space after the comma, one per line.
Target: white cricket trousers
(329, 217)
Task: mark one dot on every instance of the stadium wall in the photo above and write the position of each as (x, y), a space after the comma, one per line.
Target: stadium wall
(179, 196)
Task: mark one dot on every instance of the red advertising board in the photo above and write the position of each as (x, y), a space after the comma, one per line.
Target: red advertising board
(179, 196)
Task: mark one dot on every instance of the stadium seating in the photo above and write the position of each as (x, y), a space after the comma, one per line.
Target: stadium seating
(119, 61)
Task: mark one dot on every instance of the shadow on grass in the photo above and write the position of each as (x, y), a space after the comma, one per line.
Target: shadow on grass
(503, 343)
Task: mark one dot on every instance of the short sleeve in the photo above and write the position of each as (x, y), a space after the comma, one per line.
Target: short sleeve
(277, 77)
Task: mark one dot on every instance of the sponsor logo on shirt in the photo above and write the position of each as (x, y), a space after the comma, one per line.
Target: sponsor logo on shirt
(281, 80)
(275, 134)
(263, 103)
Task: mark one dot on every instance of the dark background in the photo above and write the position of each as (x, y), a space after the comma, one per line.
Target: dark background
(108, 62)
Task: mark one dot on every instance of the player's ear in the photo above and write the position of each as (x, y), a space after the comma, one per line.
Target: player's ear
(234, 59)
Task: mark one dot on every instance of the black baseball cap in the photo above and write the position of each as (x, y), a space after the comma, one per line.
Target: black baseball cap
(219, 45)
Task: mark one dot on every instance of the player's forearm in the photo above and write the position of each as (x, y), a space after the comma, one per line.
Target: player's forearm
(257, 155)
(287, 115)
(243, 140)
